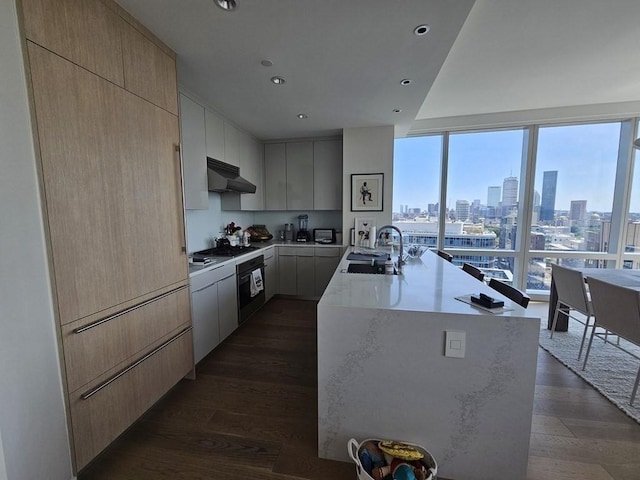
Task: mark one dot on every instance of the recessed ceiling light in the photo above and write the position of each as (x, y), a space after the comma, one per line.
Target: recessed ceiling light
(266, 63)
(397, 110)
(302, 116)
(406, 81)
(421, 29)
(227, 5)
(278, 80)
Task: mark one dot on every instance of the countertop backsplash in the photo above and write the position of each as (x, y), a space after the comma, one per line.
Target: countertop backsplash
(204, 225)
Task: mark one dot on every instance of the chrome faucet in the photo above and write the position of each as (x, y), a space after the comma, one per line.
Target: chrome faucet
(400, 256)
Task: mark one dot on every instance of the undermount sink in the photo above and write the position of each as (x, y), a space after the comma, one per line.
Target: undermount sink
(376, 269)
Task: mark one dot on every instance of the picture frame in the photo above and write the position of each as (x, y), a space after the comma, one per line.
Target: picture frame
(362, 231)
(367, 192)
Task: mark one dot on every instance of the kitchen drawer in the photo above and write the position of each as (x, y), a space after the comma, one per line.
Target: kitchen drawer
(91, 350)
(328, 251)
(98, 417)
(294, 251)
(212, 276)
(268, 252)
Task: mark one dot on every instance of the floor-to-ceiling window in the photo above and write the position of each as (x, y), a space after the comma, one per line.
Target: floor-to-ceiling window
(484, 210)
(416, 189)
(573, 197)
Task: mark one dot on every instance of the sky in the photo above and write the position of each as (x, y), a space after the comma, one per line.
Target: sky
(584, 155)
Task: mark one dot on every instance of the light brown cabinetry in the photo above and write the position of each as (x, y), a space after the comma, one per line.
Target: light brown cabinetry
(112, 195)
(86, 32)
(112, 184)
(148, 71)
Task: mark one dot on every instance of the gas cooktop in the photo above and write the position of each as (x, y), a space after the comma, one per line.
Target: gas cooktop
(227, 251)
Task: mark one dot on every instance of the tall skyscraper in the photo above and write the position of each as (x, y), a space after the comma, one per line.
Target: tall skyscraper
(509, 192)
(462, 210)
(548, 203)
(578, 212)
(493, 196)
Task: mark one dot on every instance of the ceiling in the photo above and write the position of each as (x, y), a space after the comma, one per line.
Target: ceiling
(515, 55)
(343, 60)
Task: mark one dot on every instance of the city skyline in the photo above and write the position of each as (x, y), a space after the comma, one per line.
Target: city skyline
(481, 160)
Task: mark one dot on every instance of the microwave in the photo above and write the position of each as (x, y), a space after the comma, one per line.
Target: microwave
(324, 235)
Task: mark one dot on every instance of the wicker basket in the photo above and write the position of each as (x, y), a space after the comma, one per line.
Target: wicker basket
(353, 448)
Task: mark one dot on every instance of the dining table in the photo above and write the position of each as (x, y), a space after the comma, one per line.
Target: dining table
(623, 277)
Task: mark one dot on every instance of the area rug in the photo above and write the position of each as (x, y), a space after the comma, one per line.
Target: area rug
(609, 370)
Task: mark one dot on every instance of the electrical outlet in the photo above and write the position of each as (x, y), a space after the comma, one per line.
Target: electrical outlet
(455, 344)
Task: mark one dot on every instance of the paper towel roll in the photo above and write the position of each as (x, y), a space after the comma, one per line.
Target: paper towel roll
(372, 237)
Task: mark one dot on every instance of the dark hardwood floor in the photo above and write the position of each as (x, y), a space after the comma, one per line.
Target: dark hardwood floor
(251, 414)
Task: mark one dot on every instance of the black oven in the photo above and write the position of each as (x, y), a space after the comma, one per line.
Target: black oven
(247, 303)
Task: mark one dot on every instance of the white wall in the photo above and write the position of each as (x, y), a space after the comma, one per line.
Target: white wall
(366, 150)
(35, 442)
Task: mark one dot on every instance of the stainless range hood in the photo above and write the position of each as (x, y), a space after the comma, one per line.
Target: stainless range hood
(223, 177)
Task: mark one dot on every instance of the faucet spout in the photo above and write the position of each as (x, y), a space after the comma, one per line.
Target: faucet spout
(400, 255)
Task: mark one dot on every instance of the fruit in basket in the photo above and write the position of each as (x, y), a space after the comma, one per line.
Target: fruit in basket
(400, 450)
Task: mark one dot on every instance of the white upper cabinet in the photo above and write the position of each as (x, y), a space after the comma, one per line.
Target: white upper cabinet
(231, 144)
(275, 176)
(327, 175)
(299, 176)
(194, 154)
(214, 127)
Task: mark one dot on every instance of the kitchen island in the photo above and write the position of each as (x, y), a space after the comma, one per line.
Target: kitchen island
(383, 373)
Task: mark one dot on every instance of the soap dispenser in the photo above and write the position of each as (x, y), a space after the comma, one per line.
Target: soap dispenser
(388, 266)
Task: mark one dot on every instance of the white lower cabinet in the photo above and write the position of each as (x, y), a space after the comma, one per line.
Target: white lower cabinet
(306, 271)
(214, 306)
(271, 273)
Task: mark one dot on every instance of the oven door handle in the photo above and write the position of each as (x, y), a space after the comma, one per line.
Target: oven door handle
(244, 277)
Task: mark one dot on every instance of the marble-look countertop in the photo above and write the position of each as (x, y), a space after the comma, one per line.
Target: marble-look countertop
(383, 371)
(426, 284)
(261, 246)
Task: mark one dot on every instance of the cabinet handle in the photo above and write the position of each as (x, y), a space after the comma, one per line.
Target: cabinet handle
(89, 326)
(178, 149)
(112, 379)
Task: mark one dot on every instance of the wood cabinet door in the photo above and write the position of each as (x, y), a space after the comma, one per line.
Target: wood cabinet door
(99, 419)
(148, 71)
(327, 175)
(86, 32)
(93, 349)
(325, 267)
(194, 154)
(275, 176)
(300, 176)
(112, 188)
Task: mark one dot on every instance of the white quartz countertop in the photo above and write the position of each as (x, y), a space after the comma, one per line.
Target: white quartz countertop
(262, 246)
(426, 284)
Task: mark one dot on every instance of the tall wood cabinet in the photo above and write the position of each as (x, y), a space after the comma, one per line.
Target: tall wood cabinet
(104, 102)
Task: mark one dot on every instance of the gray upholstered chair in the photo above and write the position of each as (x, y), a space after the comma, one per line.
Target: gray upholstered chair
(617, 310)
(572, 296)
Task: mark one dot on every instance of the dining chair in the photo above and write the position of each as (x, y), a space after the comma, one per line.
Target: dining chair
(447, 256)
(473, 271)
(572, 296)
(510, 292)
(617, 310)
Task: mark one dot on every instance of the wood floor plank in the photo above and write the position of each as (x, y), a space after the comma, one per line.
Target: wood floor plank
(542, 468)
(251, 414)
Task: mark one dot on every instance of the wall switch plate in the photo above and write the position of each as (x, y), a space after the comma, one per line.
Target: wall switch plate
(455, 344)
